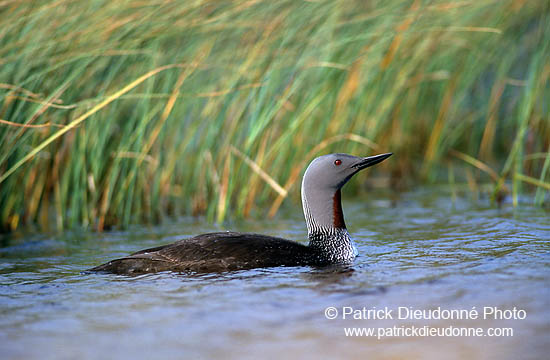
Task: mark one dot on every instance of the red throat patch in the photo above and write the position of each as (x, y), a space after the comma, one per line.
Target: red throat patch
(337, 213)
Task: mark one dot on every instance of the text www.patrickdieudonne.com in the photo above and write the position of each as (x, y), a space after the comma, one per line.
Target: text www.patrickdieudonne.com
(409, 313)
(422, 331)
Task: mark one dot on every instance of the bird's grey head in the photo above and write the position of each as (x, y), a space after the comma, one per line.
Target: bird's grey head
(321, 186)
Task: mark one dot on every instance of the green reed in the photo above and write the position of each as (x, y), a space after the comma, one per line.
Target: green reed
(117, 112)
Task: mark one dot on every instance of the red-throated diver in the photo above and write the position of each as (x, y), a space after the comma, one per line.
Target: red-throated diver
(329, 240)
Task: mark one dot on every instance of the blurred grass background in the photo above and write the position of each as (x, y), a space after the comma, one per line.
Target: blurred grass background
(118, 112)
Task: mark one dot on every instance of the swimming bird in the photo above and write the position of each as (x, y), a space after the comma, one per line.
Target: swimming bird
(329, 240)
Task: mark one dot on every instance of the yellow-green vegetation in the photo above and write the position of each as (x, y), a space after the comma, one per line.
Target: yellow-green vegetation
(117, 112)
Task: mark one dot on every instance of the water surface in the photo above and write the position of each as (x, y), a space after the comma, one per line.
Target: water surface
(418, 250)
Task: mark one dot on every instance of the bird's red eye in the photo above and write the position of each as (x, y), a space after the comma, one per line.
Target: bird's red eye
(337, 162)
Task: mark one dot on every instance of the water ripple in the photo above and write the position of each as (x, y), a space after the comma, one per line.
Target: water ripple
(417, 251)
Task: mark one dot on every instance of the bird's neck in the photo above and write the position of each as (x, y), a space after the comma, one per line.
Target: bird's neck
(326, 227)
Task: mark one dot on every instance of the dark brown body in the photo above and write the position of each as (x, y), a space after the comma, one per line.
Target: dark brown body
(215, 252)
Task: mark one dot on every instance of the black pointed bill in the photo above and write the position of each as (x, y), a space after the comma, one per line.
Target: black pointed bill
(370, 161)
